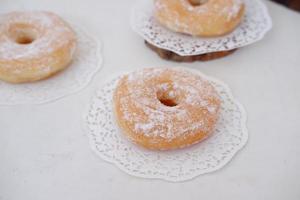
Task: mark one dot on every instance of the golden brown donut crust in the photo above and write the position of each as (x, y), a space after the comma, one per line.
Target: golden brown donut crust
(165, 108)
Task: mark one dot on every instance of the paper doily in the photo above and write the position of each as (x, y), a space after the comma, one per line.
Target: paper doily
(108, 142)
(254, 26)
(86, 62)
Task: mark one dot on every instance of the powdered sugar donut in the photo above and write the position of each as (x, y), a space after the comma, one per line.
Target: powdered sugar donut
(34, 45)
(165, 108)
(200, 17)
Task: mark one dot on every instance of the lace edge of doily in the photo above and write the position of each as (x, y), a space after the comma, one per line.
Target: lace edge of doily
(93, 146)
(261, 36)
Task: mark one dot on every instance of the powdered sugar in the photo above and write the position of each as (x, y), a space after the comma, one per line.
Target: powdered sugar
(231, 8)
(184, 17)
(141, 105)
(232, 11)
(51, 33)
(144, 127)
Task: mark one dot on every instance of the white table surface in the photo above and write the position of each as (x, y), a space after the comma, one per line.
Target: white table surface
(45, 154)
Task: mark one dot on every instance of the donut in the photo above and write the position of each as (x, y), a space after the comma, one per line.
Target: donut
(206, 18)
(34, 45)
(162, 108)
(169, 55)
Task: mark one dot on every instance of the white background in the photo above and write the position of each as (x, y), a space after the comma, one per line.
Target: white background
(45, 154)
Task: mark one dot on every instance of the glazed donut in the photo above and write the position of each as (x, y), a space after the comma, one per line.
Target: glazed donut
(207, 18)
(165, 109)
(34, 45)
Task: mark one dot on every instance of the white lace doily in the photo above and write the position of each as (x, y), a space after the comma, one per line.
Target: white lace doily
(86, 62)
(107, 141)
(255, 25)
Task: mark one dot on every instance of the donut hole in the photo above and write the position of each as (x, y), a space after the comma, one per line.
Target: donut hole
(168, 98)
(197, 2)
(168, 102)
(24, 39)
(22, 34)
